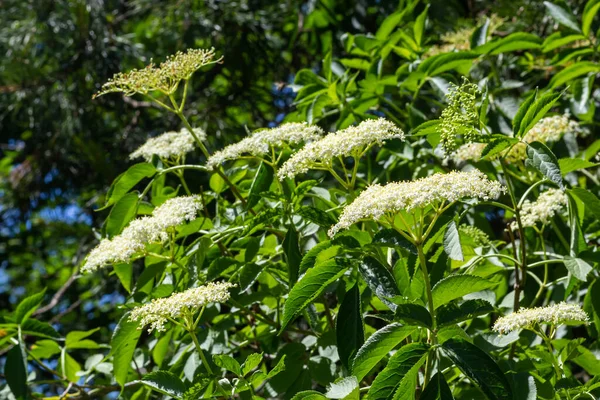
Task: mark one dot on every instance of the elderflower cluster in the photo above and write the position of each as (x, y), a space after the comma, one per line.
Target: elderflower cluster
(165, 77)
(377, 201)
(468, 152)
(543, 209)
(158, 312)
(460, 118)
(260, 142)
(169, 145)
(457, 40)
(549, 129)
(142, 231)
(348, 142)
(526, 318)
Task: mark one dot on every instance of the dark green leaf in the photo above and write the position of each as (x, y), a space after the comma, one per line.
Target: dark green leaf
(121, 214)
(316, 216)
(577, 267)
(248, 275)
(15, 373)
(123, 342)
(413, 314)
(40, 329)
(349, 328)
(308, 395)
(480, 36)
(400, 364)
(309, 259)
(127, 180)
(452, 245)
(572, 72)
(543, 159)
(437, 389)
(479, 367)
(456, 286)
(453, 313)
(261, 183)
(165, 382)
(27, 306)
(520, 115)
(441, 63)
(227, 362)
(380, 280)
(592, 203)
(218, 266)
(291, 248)
(391, 238)
(534, 112)
(312, 284)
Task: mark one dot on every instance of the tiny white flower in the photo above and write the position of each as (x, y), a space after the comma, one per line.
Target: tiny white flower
(468, 152)
(169, 145)
(543, 209)
(377, 201)
(260, 142)
(345, 143)
(158, 312)
(557, 314)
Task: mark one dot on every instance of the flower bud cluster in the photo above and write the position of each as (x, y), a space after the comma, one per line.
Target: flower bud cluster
(142, 231)
(260, 142)
(527, 318)
(460, 118)
(169, 145)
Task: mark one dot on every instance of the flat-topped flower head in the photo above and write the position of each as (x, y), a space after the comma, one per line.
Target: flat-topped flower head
(349, 142)
(377, 200)
(157, 313)
(527, 318)
(549, 129)
(143, 231)
(468, 152)
(169, 145)
(164, 78)
(543, 209)
(260, 142)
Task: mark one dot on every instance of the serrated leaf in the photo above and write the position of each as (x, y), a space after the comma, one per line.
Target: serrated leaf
(127, 180)
(496, 146)
(479, 367)
(391, 238)
(316, 216)
(543, 159)
(437, 389)
(308, 395)
(457, 286)
(165, 382)
(261, 183)
(535, 111)
(123, 342)
(453, 313)
(40, 329)
(121, 214)
(562, 16)
(573, 71)
(227, 362)
(309, 259)
(378, 346)
(411, 356)
(248, 275)
(577, 267)
(380, 280)
(252, 361)
(513, 42)
(413, 314)
(312, 284)
(349, 329)
(27, 306)
(567, 165)
(452, 245)
(441, 63)
(291, 249)
(346, 388)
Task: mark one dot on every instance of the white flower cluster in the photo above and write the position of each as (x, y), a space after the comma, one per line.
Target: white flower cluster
(543, 209)
(169, 145)
(157, 313)
(351, 141)
(376, 201)
(468, 152)
(143, 231)
(549, 129)
(260, 142)
(557, 314)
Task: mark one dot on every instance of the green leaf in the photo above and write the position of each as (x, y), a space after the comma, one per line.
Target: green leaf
(316, 216)
(589, 12)
(252, 361)
(513, 42)
(309, 259)
(535, 111)
(125, 274)
(543, 159)
(437, 389)
(346, 388)
(349, 329)
(40, 329)
(391, 238)
(165, 382)
(227, 362)
(573, 71)
(312, 284)
(121, 214)
(15, 373)
(479, 367)
(291, 248)
(127, 180)
(577, 267)
(69, 367)
(123, 342)
(592, 203)
(520, 115)
(567, 165)
(407, 358)
(217, 183)
(248, 275)
(380, 280)
(444, 62)
(77, 336)
(419, 26)
(457, 286)
(378, 346)
(480, 35)
(453, 313)
(261, 183)
(27, 306)
(413, 314)
(562, 16)
(390, 23)
(452, 245)
(308, 395)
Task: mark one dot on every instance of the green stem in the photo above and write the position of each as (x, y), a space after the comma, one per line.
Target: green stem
(200, 351)
(432, 332)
